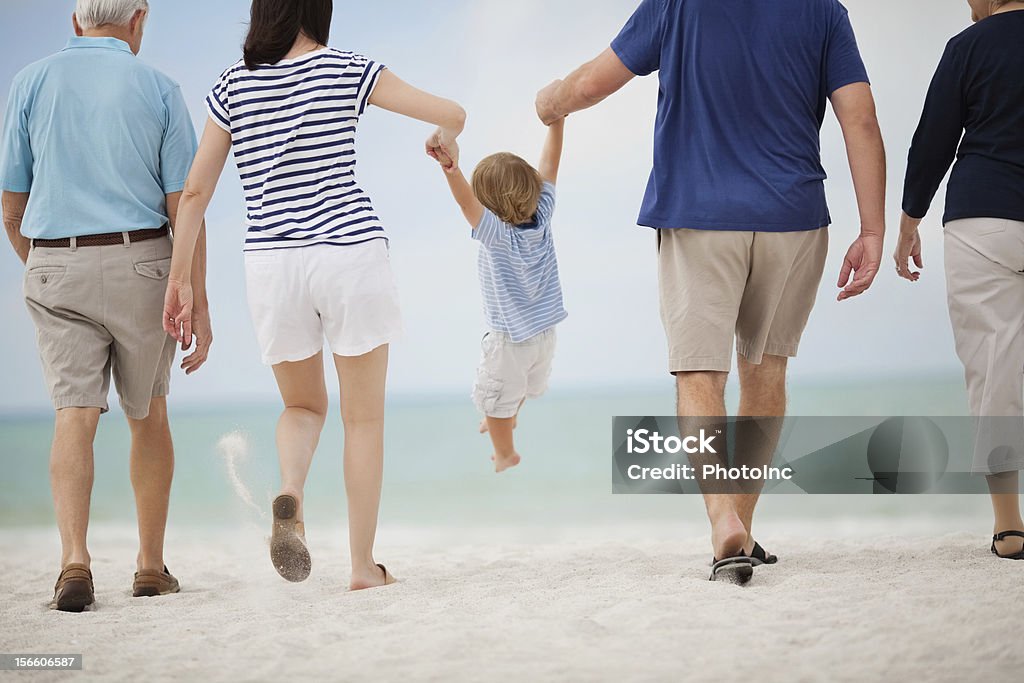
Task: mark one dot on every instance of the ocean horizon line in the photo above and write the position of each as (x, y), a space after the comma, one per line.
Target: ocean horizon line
(581, 391)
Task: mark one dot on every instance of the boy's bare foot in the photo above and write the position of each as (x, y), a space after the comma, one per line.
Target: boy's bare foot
(373, 577)
(502, 462)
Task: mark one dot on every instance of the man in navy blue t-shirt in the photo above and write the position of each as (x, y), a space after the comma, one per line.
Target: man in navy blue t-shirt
(738, 200)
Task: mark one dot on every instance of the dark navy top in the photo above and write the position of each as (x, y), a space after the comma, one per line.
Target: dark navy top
(743, 94)
(974, 113)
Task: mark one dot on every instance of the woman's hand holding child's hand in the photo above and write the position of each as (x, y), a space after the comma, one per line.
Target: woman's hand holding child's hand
(443, 148)
(438, 155)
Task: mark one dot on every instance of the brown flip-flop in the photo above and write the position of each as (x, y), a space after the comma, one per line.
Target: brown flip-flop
(288, 549)
(74, 590)
(388, 579)
(150, 583)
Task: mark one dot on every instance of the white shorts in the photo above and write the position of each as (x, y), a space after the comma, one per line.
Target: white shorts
(511, 372)
(296, 296)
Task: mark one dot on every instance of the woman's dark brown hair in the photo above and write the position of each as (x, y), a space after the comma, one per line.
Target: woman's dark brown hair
(275, 24)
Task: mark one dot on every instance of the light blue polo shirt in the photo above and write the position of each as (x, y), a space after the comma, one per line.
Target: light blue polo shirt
(518, 272)
(97, 138)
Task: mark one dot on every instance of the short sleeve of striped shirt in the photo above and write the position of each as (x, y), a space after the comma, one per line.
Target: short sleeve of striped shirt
(371, 74)
(217, 102)
(491, 230)
(546, 204)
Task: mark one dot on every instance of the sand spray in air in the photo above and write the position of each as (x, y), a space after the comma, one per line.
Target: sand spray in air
(234, 448)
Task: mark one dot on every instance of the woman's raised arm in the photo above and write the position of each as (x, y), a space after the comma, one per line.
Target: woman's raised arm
(395, 95)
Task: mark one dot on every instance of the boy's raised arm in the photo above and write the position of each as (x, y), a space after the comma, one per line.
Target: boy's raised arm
(551, 156)
(471, 207)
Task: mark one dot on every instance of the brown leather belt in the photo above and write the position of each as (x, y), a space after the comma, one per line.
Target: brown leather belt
(106, 239)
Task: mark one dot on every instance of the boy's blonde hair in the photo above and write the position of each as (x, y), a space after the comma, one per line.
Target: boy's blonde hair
(508, 186)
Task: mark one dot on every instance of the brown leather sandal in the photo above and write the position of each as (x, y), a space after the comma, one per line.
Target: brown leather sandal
(150, 583)
(74, 589)
(288, 549)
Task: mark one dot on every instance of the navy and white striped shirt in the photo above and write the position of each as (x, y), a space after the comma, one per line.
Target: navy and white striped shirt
(293, 127)
(519, 272)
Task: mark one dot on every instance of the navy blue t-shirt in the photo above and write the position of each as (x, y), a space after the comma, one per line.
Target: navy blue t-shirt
(742, 99)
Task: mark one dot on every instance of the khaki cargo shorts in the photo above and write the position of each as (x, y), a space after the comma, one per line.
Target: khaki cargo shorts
(97, 311)
(716, 286)
(511, 372)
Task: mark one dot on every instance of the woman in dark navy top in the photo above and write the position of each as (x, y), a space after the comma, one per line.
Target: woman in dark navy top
(975, 113)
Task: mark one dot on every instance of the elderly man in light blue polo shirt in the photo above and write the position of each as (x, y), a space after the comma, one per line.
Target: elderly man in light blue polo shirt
(95, 151)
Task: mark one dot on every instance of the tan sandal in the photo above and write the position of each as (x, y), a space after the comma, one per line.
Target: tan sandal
(150, 583)
(288, 549)
(74, 590)
(388, 579)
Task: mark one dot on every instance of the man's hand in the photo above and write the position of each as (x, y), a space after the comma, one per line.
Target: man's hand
(203, 332)
(14, 204)
(545, 104)
(861, 264)
(909, 249)
(443, 147)
(178, 312)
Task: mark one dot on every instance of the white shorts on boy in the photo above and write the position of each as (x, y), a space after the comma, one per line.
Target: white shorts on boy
(511, 372)
(298, 296)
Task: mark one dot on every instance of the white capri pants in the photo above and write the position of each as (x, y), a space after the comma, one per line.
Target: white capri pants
(985, 285)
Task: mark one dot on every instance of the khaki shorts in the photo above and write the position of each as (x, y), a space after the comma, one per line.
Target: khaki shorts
(97, 311)
(511, 372)
(755, 287)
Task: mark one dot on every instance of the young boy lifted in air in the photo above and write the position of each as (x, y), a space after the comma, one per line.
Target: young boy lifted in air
(509, 206)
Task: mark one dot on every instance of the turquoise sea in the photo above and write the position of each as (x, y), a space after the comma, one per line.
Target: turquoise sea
(438, 470)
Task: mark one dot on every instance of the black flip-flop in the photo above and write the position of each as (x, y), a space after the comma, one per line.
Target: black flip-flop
(759, 556)
(737, 570)
(1000, 536)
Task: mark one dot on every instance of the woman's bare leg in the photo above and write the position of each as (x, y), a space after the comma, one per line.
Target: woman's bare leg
(302, 420)
(362, 381)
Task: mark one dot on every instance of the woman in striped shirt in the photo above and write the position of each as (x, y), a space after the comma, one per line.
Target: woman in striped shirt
(315, 251)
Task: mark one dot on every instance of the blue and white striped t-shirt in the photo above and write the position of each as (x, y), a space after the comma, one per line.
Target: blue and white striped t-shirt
(519, 272)
(293, 127)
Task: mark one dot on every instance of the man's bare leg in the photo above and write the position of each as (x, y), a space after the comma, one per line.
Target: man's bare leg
(71, 477)
(152, 470)
(762, 394)
(702, 394)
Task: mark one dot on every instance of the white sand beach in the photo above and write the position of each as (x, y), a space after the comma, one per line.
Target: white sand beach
(625, 603)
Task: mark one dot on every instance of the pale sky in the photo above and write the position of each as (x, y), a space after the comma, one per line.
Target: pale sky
(492, 56)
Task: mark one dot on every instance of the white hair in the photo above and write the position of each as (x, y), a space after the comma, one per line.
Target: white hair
(94, 13)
